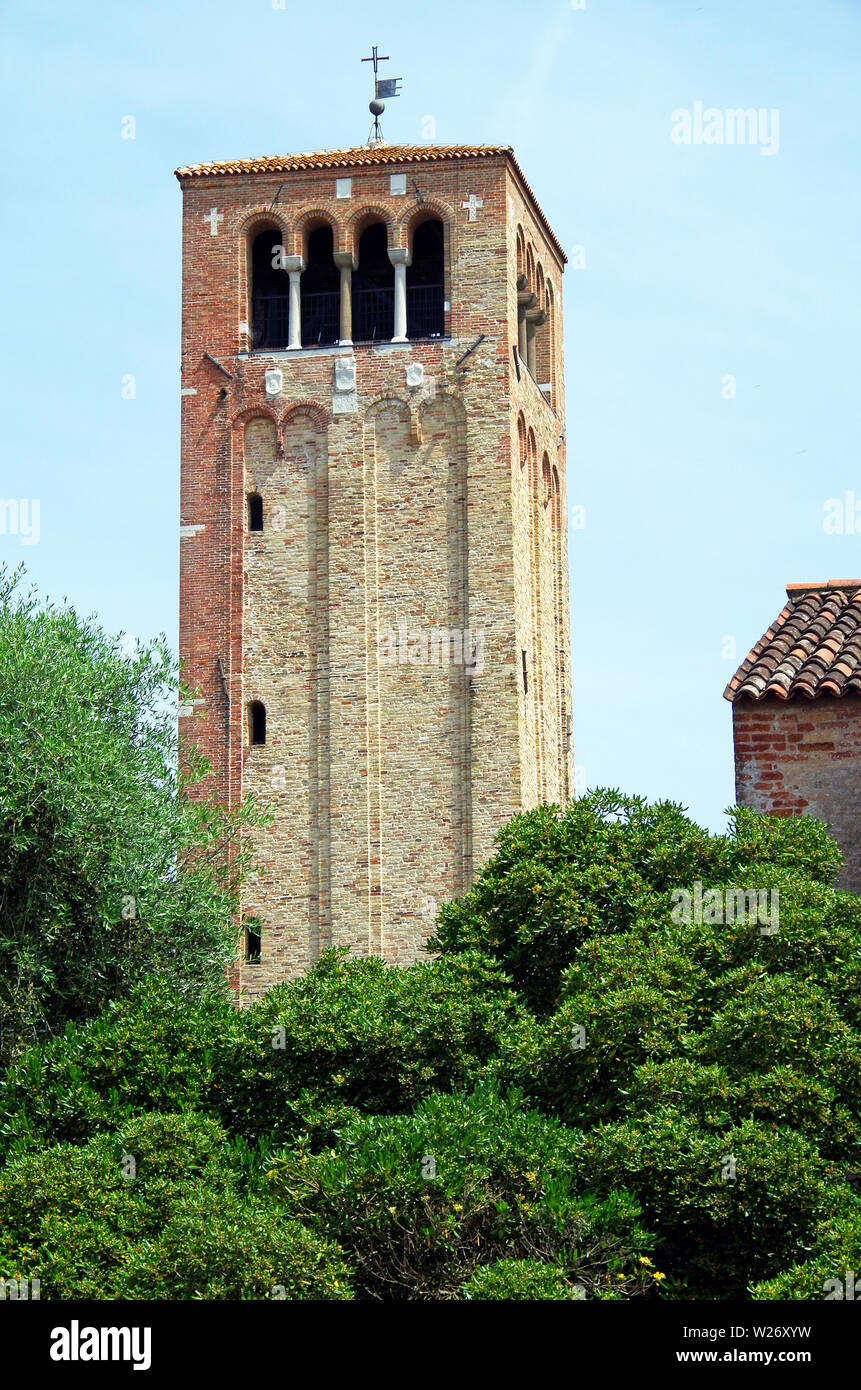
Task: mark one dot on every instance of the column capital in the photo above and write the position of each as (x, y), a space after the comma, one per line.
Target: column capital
(345, 260)
(294, 265)
(400, 255)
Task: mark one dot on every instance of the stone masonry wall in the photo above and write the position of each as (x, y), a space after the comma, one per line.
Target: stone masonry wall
(393, 508)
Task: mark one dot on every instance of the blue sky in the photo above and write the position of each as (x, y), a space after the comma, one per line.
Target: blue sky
(702, 262)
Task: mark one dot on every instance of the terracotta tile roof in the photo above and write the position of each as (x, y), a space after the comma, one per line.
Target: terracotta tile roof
(814, 647)
(345, 159)
(360, 156)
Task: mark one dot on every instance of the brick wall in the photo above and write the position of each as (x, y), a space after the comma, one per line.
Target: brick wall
(799, 756)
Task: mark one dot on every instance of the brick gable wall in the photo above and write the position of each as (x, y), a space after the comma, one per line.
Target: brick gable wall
(803, 757)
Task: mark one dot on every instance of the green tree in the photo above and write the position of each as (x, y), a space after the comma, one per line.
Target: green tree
(108, 871)
(583, 1094)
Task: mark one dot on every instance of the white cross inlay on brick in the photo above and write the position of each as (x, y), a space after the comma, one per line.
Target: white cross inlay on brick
(213, 217)
(471, 204)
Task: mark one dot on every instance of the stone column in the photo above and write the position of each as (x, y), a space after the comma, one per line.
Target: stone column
(346, 263)
(294, 265)
(534, 318)
(525, 300)
(400, 259)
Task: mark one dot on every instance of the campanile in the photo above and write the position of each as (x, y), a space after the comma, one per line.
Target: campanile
(374, 570)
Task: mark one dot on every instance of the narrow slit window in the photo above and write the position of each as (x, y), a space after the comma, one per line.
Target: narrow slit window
(525, 677)
(256, 723)
(255, 512)
(252, 945)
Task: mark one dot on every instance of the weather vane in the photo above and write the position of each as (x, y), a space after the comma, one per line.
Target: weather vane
(383, 87)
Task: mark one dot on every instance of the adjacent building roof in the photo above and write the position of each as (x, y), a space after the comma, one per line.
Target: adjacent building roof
(814, 647)
(360, 156)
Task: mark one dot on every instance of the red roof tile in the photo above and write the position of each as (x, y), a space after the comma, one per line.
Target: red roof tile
(356, 157)
(814, 647)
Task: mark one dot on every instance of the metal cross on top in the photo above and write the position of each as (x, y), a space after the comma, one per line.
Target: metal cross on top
(383, 87)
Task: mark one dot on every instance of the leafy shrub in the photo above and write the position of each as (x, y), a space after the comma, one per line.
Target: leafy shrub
(351, 1034)
(360, 1034)
(606, 864)
(834, 1266)
(626, 1000)
(235, 1249)
(155, 1050)
(721, 1224)
(419, 1201)
(87, 1225)
(818, 940)
(798, 843)
(718, 1097)
(555, 1165)
(521, 1279)
(777, 1018)
(555, 880)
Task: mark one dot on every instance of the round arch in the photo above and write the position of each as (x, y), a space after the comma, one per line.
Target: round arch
(260, 220)
(420, 212)
(361, 219)
(520, 245)
(521, 442)
(252, 412)
(309, 221)
(546, 480)
(309, 410)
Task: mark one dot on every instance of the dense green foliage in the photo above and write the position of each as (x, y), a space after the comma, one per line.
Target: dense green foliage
(583, 1094)
(418, 1201)
(107, 873)
(358, 1035)
(523, 1280)
(175, 1225)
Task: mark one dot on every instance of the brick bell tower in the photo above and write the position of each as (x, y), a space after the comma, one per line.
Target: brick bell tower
(374, 571)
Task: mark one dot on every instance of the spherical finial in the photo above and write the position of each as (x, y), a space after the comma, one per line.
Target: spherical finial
(376, 107)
